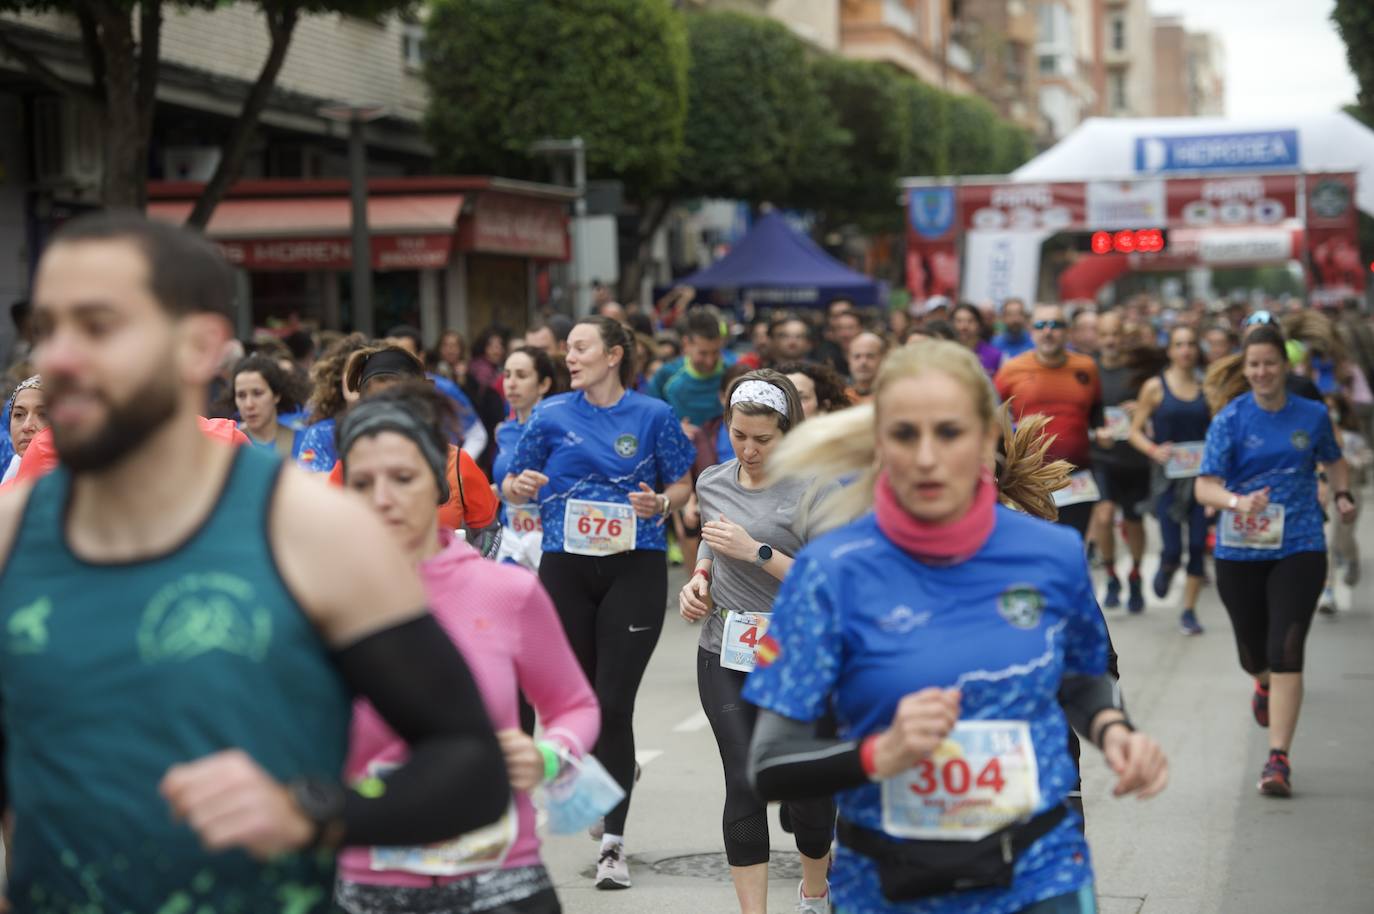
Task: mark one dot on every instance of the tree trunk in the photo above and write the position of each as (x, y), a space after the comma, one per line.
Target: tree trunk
(281, 25)
(125, 154)
(651, 217)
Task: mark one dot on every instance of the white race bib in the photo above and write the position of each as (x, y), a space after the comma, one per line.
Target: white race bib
(598, 527)
(1082, 488)
(1253, 531)
(739, 644)
(983, 778)
(524, 518)
(1185, 460)
(1118, 423)
(477, 851)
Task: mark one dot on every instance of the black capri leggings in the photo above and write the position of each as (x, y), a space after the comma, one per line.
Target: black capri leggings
(745, 821)
(612, 610)
(1271, 604)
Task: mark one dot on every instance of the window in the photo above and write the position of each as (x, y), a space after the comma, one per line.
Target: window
(413, 46)
(1048, 65)
(898, 14)
(1118, 90)
(1118, 33)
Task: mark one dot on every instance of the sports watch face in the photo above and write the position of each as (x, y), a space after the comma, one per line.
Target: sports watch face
(765, 553)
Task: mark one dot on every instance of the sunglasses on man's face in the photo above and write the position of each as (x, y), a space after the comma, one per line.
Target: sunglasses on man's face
(1051, 325)
(1259, 317)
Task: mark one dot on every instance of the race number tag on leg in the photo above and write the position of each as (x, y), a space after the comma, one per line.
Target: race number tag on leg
(524, 518)
(1185, 460)
(598, 527)
(1082, 488)
(477, 851)
(1263, 530)
(981, 779)
(1118, 423)
(739, 644)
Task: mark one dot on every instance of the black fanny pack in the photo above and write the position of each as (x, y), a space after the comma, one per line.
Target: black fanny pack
(908, 870)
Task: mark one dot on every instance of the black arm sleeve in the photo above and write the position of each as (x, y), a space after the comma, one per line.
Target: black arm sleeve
(1097, 416)
(788, 761)
(455, 780)
(1082, 697)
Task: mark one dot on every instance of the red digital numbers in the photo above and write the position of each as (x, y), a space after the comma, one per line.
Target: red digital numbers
(955, 775)
(1143, 241)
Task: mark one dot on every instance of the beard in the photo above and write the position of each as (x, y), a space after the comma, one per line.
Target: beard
(127, 426)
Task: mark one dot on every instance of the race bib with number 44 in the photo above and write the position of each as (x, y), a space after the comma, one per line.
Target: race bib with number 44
(981, 779)
(1261, 530)
(598, 527)
(739, 643)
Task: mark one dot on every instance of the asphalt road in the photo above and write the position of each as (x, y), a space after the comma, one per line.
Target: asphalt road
(1208, 845)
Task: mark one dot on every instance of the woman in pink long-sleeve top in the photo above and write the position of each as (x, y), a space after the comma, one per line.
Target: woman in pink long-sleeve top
(394, 452)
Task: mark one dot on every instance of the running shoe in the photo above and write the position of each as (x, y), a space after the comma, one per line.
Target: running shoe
(1189, 624)
(1277, 778)
(1112, 599)
(1163, 578)
(813, 905)
(1136, 601)
(612, 870)
(1352, 572)
(1327, 606)
(1259, 704)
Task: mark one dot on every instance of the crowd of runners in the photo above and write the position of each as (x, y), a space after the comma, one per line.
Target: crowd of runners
(317, 620)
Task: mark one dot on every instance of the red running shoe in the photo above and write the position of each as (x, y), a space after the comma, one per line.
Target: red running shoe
(1276, 779)
(1259, 704)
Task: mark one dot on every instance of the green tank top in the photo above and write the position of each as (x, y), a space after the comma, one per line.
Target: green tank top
(112, 673)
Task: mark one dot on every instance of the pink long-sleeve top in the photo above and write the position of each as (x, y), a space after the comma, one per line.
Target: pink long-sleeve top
(505, 626)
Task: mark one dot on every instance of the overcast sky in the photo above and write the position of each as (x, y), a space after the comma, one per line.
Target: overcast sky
(1282, 56)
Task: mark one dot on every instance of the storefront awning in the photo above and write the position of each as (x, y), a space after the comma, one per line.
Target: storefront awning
(407, 231)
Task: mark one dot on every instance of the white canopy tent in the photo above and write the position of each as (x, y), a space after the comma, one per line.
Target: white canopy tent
(1123, 148)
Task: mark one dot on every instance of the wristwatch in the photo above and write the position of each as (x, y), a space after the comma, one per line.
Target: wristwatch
(765, 554)
(1235, 500)
(322, 802)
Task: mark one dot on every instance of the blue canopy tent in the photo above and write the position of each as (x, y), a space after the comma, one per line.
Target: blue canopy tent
(774, 265)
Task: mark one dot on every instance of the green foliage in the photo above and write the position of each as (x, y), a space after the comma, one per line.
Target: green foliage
(874, 111)
(974, 138)
(757, 128)
(926, 121)
(1355, 21)
(504, 74)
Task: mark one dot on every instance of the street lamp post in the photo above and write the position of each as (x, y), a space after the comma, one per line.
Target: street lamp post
(578, 150)
(356, 116)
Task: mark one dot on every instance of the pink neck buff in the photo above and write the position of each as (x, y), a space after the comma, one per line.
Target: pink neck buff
(942, 544)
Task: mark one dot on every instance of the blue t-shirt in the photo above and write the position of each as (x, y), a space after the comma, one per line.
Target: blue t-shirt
(297, 437)
(507, 437)
(859, 624)
(467, 414)
(1010, 347)
(1249, 448)
(601, 454)
(316, 451)
(725, 448)
(693, 397)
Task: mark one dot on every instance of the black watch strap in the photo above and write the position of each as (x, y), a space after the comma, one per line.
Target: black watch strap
(322, 802)
(1119, 722)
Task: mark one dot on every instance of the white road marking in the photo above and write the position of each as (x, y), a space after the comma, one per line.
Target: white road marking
(644, 757)
(696, 722)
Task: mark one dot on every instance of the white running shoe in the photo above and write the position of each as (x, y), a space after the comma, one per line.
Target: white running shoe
(813, 905)
(1327, 604)
(612, 870)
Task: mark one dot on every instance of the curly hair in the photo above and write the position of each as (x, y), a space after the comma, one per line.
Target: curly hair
(284, 385)
(830, 395)
(326, 377)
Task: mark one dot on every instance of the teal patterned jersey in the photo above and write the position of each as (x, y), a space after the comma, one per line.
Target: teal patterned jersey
(112, 673)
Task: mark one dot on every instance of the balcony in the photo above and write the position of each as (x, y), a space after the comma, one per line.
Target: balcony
(900, 17)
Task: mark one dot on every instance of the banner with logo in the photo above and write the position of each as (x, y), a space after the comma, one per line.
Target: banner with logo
(1021, 207)
(1267, 149)
(1002, 265)
(1125, 204)
(1333, 241)
(1232, 201)
(932, 252)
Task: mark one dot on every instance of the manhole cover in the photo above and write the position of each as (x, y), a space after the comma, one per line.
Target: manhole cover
(782, 865)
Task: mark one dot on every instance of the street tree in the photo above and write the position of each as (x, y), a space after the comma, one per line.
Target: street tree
(121, 44)
(973, 137)
(1355, 21)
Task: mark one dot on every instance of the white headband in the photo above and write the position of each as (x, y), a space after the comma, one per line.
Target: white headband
(761, 392)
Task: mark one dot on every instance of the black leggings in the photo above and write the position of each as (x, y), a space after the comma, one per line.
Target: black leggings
(1077, 516)
(745, 821)
(612, 610)
(1271, 605)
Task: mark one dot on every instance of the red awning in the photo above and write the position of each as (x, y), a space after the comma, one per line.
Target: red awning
(408, 231)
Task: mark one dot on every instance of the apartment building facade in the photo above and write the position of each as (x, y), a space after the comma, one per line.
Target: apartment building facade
(1191, 71)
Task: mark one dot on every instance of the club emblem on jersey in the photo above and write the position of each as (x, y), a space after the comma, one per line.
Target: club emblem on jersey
(201, 613)
(1300, 440)
(1021, 605)
(627, 445)
(1083, 378)
(28, 628)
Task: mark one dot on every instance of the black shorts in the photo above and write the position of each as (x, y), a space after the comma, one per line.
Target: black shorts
(1127, 487)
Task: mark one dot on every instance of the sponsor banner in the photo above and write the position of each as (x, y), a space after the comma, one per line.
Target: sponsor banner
(1021, 207)
(1236, 246)
(1125, 204)
(1002, 265)
(1217, 152)
(932, 268)
(931, 212)
(1336, 271)
(1230, 201)
(389, 252)
(517, 226)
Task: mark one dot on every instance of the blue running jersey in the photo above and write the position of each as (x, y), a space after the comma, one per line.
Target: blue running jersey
(601, 454)
(507, 437)
(316, 452)
(859, 624)
(1249, 448)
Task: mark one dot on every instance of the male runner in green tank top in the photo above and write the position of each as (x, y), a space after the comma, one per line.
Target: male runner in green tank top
(183, 625)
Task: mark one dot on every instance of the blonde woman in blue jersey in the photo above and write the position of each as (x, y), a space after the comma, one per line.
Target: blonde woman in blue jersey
(944, 632)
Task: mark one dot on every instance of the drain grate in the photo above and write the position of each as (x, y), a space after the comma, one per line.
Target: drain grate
(782, 865)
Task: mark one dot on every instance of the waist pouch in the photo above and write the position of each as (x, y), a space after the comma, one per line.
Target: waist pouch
(908, 870)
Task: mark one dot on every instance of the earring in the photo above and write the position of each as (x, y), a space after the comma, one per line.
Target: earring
(987, 476)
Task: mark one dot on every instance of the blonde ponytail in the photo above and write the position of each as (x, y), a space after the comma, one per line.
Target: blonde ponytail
(1026, 481)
